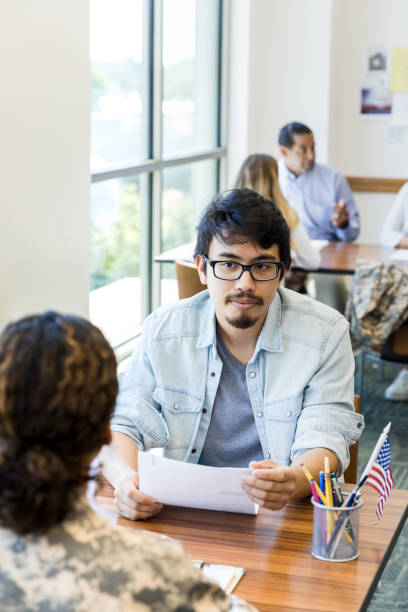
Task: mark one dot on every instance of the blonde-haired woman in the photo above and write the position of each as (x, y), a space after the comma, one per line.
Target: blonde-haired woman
(260, 173)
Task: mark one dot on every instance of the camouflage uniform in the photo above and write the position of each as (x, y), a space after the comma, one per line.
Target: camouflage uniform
(378, 303)
(87, 564)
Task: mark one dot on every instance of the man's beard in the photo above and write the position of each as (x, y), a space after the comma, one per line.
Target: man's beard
(243, 320)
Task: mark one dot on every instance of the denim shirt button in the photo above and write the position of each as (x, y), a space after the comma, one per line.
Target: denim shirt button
(252, 374)
(204, 410)
(193, 450)
(289, 413)
(212, 373)
(176, 406)
(260, 414)
(268, 455)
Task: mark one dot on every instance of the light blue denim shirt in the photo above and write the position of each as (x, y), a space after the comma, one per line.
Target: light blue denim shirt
(313, 195)
(300, 380)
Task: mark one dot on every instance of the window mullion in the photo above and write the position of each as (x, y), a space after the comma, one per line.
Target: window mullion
(157, 144)
(157, 79)
(146, 210)
(223, 91)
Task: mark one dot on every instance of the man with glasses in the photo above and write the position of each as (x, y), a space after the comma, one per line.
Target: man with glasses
(246, 373)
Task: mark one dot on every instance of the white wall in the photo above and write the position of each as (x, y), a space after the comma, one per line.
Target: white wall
(287, 44)
(359, 145)
(305, 64)
(44, 157)
(238, 85)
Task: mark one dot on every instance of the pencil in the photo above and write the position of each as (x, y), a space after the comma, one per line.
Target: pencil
(329, 496)
(337, 488)
(311, 479)
(327, 481)
(314, 488)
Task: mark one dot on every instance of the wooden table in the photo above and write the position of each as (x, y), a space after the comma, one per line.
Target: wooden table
(337, 257)
(341, 257)
(274, 548)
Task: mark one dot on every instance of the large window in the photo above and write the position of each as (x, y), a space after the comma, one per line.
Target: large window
(156, 147)
(119, 94)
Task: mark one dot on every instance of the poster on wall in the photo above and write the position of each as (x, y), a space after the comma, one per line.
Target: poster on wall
(399, 86)
(399, 78)
(375, 95)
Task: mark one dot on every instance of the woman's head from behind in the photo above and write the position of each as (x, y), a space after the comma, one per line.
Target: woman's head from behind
(260, 173)
(57, 391)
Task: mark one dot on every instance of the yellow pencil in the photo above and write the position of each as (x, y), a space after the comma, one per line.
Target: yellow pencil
(311, 479)
(320, 494)
(327, 481)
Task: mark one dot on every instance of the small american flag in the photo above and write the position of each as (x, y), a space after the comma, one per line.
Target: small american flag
(380, 477)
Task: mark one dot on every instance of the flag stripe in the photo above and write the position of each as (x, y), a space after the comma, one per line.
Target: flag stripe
(380, 477)
(376, 482)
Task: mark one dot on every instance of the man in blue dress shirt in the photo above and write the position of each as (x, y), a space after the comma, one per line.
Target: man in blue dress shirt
(323, 200)
(320, 194)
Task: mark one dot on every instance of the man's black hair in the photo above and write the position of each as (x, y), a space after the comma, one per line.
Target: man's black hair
(242, 215)
(286, 133)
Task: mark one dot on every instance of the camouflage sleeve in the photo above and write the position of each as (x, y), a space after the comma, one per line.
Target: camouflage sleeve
(87, 565)
(194, 590)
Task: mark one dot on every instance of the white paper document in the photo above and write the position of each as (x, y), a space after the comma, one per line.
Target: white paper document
(177, 483)
(400, 255)
(227, 576)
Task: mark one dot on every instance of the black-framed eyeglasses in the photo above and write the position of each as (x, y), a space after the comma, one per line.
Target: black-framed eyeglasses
(232, 270)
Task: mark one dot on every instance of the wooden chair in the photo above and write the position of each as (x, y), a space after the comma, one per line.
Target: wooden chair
(188, 280)
(396, 346)
(350, 475)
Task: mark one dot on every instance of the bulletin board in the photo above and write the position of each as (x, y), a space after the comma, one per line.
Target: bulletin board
(384, 83)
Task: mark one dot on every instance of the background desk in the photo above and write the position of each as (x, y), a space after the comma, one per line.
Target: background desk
(341, 257)
(274, 548)
(337, 257)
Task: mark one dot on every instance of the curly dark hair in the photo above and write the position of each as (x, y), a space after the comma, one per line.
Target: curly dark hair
(58, 386)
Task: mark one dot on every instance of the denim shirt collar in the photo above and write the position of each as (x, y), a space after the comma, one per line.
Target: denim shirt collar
(270, 338)
(208, 331)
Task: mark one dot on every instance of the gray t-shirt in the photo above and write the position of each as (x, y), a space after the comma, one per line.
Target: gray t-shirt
(232, 438)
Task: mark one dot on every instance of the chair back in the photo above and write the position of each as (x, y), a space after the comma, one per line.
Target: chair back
(395, 347)
(188, 279)
(350, 475)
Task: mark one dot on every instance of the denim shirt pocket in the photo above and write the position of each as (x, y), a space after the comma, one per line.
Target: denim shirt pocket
(182, 412)
(281, 419)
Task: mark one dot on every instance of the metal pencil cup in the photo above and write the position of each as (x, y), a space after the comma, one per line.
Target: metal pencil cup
(335, 532)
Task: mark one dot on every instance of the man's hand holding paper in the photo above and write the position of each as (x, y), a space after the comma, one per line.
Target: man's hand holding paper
(133, 503)
(270, 485)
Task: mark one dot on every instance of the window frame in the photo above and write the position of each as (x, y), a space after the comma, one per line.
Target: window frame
(155, 163)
